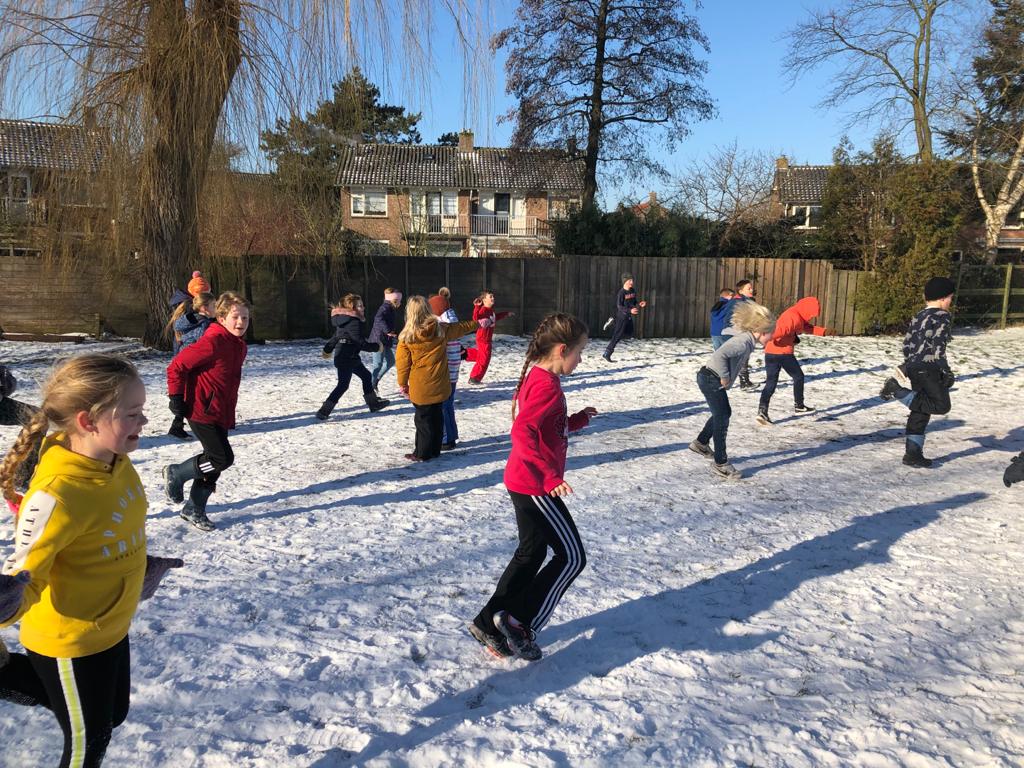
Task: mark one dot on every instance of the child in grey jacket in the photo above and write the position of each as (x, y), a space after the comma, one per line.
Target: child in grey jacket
(753, 324)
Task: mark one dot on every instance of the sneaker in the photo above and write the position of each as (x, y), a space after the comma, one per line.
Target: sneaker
(197, 517)
(475, 381)
(174, 490)
(413, 457)
(520, 638)
(448, 446)
(890, 389)
(606, 356)
(900, 374)
(763, 418)
(804, 408)
(727, 470)
(749, 386)
(916, 460)
(179, 432)
(702, 448)
(496, 645)
(608, 323)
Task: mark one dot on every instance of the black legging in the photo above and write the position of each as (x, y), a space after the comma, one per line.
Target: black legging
(772, 365)
(346, 368)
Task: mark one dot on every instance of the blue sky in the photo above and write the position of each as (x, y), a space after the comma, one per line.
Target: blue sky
(758, 107)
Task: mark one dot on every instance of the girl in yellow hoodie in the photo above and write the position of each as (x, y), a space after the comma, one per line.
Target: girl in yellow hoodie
(421, 362)
(79, 566)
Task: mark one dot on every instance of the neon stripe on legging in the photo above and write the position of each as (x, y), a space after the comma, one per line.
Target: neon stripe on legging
(74, 706)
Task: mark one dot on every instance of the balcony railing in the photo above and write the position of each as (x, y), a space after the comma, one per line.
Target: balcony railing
(23, 212)
(490, 225)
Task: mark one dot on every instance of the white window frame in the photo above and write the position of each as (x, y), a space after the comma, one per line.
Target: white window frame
(360, 196)
(570, 203)
(794, 210)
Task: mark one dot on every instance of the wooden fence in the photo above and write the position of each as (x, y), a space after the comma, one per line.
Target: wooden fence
(291, 296)
(990, 294)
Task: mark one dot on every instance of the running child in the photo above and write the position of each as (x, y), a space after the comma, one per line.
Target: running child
(188, 322)
(422, 365)
(384, 331)
(745, 291)
(753, 324)
(626, 307)
(483, 308)
(779, 354)
(347, 317)
(80, 566)
(441, 306)
(527, 594)
(926, 374)
(202, 382)
(721, 314)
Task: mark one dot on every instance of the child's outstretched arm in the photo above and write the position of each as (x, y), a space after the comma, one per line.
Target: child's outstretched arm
(580, 419)
(156, 569)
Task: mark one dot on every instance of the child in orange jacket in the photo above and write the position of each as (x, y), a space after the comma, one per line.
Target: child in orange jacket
(778, 354)
(421, 362)
(483, 308)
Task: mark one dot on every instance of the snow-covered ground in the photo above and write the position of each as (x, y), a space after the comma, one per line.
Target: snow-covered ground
(833, 608)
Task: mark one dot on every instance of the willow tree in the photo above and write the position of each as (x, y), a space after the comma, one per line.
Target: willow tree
(163, 77)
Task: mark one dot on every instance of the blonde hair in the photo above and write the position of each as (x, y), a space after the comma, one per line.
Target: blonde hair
(92, 383)
(553, 330)
(753, 317)
(442, 291)
(228, 301)
(418, 320)
(199, 301)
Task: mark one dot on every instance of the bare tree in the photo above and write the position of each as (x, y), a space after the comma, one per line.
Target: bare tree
(990, 125)
(162, 76)
(604, 73)
(729, 185)
(889, 52)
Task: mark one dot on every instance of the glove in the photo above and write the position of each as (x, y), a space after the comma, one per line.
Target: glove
(156, 569)
(796, 340)
(1015, 472)
(8, 384)
(176, 404)
(325, 355)
(485, 322)
(11, 590)
(948, 379)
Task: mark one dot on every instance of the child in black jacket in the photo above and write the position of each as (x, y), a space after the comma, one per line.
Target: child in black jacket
(346, 344)
(925, 368)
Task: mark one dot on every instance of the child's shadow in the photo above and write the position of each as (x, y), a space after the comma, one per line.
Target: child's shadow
(691, 618)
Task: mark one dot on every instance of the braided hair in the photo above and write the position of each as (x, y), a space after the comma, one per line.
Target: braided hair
(559, 328)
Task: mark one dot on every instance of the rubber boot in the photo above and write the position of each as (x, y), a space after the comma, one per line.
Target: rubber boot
(325, 409)
(176, 475)
(194, 510)
(914, 457)
(373, 402)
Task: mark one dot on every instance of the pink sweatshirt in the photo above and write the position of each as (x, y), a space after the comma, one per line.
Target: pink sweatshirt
(540, 435)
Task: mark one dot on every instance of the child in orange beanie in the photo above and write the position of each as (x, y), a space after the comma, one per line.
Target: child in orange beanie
(198, 284)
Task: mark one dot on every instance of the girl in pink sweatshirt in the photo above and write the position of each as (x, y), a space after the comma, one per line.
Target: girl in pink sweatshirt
(527, 594)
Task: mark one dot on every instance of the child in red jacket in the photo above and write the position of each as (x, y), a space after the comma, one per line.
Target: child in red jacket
(534, 476)
(778, 354)
(483, 307)
(202, 382)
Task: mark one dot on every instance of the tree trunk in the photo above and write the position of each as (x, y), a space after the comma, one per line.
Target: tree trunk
(192, 61)
(595, 121)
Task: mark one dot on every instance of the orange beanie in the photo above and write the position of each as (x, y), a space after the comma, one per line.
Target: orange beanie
(438, 305)
(198, 284)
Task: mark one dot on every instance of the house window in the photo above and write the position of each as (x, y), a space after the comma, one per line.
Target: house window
(806, 216)
(435, 211)
(560, 207)
(370, 202)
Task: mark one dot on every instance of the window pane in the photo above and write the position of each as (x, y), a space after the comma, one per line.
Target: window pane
(18, 187)
(451, 204)
(376, 203)
(434, 203)
(416, 204)
(814, 220)
(357, 204)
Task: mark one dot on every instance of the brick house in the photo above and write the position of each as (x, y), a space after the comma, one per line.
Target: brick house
(456, 201)
(798, 190)
(46, 170)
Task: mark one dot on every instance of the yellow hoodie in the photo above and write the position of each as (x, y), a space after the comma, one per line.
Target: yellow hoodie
(82, 534)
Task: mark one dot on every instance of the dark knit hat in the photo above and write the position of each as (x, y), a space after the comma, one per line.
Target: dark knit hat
(626, 276)
(938, 288)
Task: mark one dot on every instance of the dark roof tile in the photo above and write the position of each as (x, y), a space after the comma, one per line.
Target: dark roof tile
(407, 165)
(50, 146)
(801, 183)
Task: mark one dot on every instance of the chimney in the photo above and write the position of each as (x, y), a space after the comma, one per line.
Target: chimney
(782, 163)
(465, 141)
(570, 146)
(652, 199)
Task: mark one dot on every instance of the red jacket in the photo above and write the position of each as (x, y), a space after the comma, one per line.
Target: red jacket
(208, 374)
(793, 321)
(540, 435)
(484, 335)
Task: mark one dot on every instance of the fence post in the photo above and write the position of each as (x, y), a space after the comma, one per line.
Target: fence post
(522, 296)
(1006, 295)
